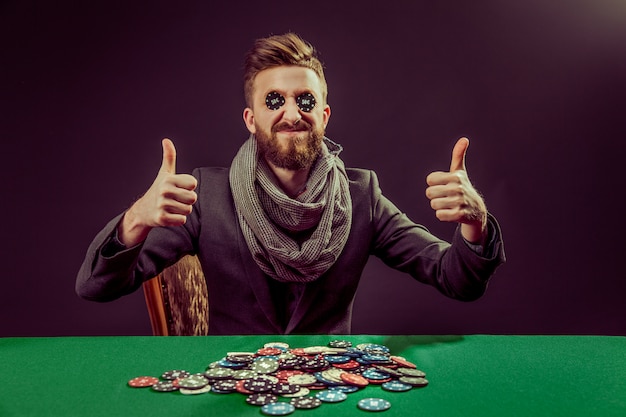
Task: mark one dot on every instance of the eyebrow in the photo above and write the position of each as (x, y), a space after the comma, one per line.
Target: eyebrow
(296, 94)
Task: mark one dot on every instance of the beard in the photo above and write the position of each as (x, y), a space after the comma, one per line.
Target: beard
(299, 153)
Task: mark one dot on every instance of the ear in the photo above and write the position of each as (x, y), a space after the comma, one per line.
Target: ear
(248, 119)
(326, 115)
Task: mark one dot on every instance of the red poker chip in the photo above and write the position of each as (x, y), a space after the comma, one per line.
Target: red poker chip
(143, 381)
(269, 352)
(241, 389)
(403, 362)
(379, 381)
(354, 379)
(286, 373)
(352, 364)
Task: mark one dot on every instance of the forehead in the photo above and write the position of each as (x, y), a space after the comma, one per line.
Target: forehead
(286, 80)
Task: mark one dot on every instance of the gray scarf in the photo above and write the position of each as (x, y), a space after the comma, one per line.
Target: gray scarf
(271, 221)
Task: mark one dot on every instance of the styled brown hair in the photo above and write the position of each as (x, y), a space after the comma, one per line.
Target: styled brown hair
(279, 50)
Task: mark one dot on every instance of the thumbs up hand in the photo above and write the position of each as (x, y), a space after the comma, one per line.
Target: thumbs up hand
(168, 201)
(454, 199)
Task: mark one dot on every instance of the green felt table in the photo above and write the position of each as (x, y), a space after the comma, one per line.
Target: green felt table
(473, 375)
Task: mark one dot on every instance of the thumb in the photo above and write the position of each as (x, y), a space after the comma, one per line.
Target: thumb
(169, 157)
(458, 155)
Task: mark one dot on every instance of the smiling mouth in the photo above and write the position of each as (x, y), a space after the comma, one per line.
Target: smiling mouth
(302, 126)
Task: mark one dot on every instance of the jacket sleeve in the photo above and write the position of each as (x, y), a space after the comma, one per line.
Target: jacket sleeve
(111, 270)
(455, 269)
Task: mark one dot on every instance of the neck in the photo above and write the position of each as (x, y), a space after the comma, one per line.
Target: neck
(293, 183)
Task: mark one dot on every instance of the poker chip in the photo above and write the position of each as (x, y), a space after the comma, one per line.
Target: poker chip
(329, 396)
(261, 399)
(373, 358)
(303, 380)
(202, 390)
(164, 386)
(280, 379)
(143, 381)
(389, 371)
(402, 362)
(350, 365)
(306, 403)
(396, 386)
(303, 392)
(346, 389)
(305, 102)
(219, 373)
(174, 374)
(193, 382)
(244, 374)
(414, 381)
(354, 379)
(265, 365)
(285, 388)
(373, 374)
(274, 101)
(340, 343)
(258, 385)
(278, 409)
(373, 404)
(225, 386)
(337, 359)
(279, 345)
(412, 372)
(269, 351)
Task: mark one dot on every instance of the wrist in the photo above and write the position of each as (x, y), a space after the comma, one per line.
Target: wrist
(131, 231)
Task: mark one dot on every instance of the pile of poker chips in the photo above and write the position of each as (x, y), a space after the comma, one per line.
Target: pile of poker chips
(303, 378)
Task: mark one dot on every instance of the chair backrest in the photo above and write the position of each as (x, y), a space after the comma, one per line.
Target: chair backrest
(177, 300)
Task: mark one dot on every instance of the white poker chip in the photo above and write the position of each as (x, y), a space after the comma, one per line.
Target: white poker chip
(202, 390)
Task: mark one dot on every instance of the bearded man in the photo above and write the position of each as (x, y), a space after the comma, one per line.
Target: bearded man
(283, 234)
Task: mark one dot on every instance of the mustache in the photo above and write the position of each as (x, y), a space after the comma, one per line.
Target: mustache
(301, 126)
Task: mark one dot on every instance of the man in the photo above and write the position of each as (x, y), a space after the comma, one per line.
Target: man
(284, 234)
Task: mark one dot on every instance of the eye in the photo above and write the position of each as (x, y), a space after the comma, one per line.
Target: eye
(274, 101)
(305, 102)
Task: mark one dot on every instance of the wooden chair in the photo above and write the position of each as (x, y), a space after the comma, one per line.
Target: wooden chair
(177, 300)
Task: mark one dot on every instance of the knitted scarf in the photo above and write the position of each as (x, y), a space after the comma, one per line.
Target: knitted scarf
(292, 239)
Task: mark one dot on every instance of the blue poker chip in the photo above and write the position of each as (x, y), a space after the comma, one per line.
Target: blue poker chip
(372, 358)
(396, 386)
(373, 404)
(337, 358)
(353, 352)
(331, 396)
(278, 409)
(348, 389)
(374, 348)
(375, 375)
(225, 363)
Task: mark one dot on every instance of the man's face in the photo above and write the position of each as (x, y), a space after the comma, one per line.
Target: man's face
(288, 131)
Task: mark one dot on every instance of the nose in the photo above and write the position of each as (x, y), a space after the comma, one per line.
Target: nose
(291, 111)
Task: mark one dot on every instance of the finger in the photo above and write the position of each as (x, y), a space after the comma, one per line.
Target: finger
(458, 155)
(443, 191)
(442, 178)
(181, 196)
(450, 215)
(169, 157)
(185, 181)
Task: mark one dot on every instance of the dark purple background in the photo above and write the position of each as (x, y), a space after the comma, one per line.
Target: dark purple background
(538, 86)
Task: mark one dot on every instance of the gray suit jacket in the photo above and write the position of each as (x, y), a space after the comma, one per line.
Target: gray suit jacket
(242, 300)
